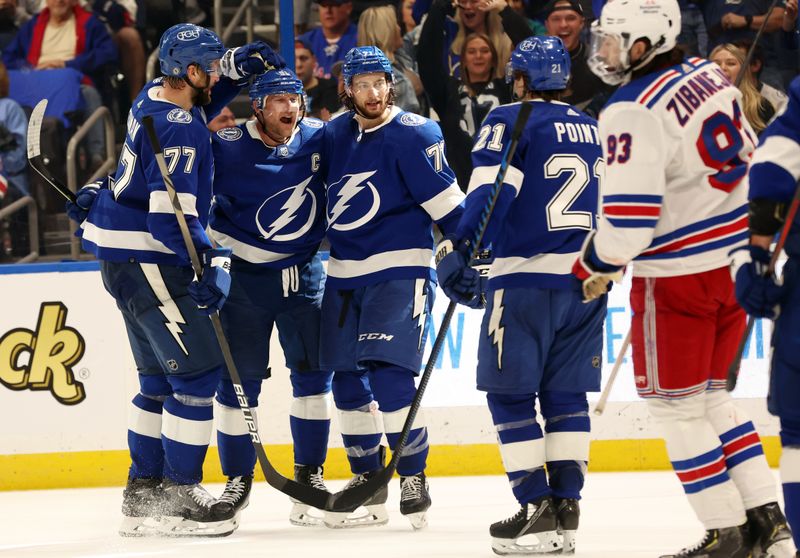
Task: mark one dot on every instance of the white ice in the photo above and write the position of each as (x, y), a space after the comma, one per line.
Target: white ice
(624, 515)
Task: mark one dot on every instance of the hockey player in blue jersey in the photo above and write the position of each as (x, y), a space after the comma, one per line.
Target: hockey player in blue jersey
(538, 340)
(774, 173)
(269, 202)
(388, 182)
(132, 229)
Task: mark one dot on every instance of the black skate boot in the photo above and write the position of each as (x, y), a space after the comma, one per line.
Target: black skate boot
(728, 542)
(375, 513)
(568, 512)
(415, 499)
(142, 506)
(770, 536)
(309, 475)
(535, 518)
(190, 511)
(236, 494)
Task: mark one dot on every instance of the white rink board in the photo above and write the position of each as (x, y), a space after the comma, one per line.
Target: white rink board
(34, 420)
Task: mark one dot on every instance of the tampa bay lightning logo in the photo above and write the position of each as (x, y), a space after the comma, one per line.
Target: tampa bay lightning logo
(411, 119)
(179, 115)
(288, 204)
(352, 201)
(230, 134)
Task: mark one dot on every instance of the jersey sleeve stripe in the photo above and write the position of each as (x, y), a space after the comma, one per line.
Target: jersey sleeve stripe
(700, 238)
(487, 175)
(701, 226)
(444, 202)
(160, 203)
(627, 223)
(632, 210)
(347, 269)
(632, 198)
(780, 151)
(653, 89)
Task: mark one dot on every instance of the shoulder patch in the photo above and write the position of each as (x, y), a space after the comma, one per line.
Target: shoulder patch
(180, 116)
(229, 134)
(313, 122)
(411, 119)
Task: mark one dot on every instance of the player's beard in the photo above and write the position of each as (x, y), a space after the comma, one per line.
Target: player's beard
(371, 114)
(202, 93)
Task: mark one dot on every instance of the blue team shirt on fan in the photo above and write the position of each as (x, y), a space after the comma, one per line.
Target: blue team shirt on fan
(269, 202)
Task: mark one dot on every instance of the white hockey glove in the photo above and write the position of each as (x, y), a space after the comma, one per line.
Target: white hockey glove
(595, 275)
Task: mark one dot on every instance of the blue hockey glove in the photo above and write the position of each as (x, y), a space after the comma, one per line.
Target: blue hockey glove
(250, 60)
(758, 293)
(481, 264)
(595, 275)
(79, 210)
(213, 287)
(459, 281)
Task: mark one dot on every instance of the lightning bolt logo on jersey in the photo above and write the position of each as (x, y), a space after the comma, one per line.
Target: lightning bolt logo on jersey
(268, 204)
(386, 187)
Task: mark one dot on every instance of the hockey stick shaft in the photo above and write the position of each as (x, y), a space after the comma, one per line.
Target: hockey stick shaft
(307, 494)
(733, 369)
(601, 403)
(357, 495)
(35, 159)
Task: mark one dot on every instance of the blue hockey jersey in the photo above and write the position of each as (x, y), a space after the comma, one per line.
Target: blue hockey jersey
(548, 200)
(133, 220)
(268, 201)
(385, 188)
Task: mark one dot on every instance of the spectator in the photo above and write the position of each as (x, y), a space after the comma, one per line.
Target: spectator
(120, 17)
(405, 16)
(65, 35)
(335, 36)
(564, 19)
(757, 110)
(775, 96)
(693, 35)
(13, 135)
(225, 119)
(378, 27)
(9, 21)
(336, 73)
(322, 96)
(536, 26)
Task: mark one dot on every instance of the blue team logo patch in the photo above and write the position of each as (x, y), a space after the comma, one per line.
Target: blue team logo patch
(180, 116)
(283, 151)
(229, 134)
(352, 201)
(313, 122)
(291, 212)
(411, 119)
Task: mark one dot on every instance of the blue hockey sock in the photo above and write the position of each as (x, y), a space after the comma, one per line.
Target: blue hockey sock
(359, 420)
(310, 416)
(566, 439)
(144, 437)
(236, 453)
(790, 475)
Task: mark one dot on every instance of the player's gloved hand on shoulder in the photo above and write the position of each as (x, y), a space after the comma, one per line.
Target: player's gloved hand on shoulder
(78, 210)
(211, 291)
(249, 60)
(759, 293)
(459, 281)
(594, 274)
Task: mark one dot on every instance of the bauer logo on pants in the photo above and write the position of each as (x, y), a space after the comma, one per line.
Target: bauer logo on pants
(43, 359)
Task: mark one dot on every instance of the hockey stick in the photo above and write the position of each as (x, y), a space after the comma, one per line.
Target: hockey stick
(35, 158)
(352, 498)
(733, 370)
(307, 494)
(601, 403)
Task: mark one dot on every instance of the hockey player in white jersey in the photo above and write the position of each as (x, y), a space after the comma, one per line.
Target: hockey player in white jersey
(538, 340)
(388, 182)
(132, 229)
(675, 204)
(269, 210)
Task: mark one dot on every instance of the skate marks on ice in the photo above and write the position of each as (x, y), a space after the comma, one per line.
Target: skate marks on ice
(623, 515)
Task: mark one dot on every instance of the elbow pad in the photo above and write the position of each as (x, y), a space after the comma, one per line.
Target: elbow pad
(766, 216)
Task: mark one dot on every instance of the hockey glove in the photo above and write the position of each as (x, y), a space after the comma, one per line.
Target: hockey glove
(250, 60)
(481, 264)
(79, 210)
(758, 292)
(213, 287)
(594, 274)
(459, 281)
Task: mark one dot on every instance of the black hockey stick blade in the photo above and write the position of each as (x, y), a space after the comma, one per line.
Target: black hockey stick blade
(35, 159)
(348, 500)
(307, 494)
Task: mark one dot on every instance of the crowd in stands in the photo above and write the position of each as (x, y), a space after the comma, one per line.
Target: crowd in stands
(449, 58)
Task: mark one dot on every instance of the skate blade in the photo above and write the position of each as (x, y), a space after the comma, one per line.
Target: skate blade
(418, 520)
(139, 527)
(547, 542)
(374, 515)
(180, 527)
(302, 516)
(569, 542)
(781, 549)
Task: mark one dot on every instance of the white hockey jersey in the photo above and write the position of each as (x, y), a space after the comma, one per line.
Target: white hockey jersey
(674, 196)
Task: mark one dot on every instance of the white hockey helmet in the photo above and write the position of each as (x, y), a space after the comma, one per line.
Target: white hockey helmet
(621, 24)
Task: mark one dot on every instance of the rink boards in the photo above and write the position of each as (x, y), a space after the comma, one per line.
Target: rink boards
(67, 376)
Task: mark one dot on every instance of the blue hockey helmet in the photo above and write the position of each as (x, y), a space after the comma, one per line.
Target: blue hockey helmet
(544, 61)
(275, 82)
(185, 44)
(365, 60)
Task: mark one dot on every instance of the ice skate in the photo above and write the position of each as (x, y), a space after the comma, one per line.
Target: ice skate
(728, 542)
(769, 533)
(190, 511)
(415, 499)
(568, 512)
(301, 514)
(375, 507)
(537, 519)
(142, 507)
(236, 494)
